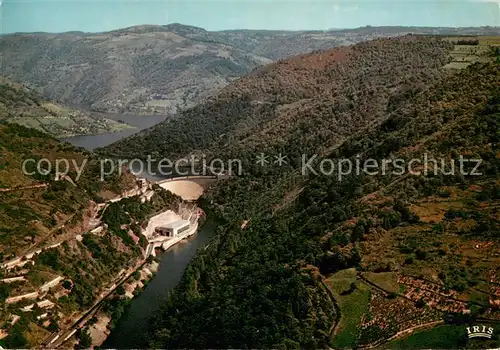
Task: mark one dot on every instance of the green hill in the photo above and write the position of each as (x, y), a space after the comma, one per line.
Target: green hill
(423, 245)
(23, 106)
(45, 234)
(302, 103)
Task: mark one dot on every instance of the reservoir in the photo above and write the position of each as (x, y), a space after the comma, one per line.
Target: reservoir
(131, 328)
(91, 142)
(139, 123)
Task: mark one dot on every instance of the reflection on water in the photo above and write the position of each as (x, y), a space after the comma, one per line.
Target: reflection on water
(139, 123)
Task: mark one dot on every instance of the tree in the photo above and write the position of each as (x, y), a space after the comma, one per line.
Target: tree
(358, 232)
(120, 290)
(85, 339)
(351, 289)
(67, 284)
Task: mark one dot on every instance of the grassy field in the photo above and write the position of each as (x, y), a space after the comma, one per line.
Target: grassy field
(352, 306)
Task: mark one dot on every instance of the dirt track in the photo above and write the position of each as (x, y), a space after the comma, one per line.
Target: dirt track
(22, 188)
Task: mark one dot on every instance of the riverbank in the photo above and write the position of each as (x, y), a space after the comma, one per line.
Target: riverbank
(136, 123)
(131, 328)
(103, 322)
(99, 327)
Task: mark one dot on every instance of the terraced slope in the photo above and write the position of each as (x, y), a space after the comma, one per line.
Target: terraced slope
(301, 102)
(62, 247)
(23, 106)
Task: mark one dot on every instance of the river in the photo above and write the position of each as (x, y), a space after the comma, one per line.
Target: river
(132, 326)
(130, 329)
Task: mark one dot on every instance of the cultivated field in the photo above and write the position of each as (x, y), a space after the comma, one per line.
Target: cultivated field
(472, 49)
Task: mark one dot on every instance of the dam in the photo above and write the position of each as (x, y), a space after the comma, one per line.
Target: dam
(190, 188)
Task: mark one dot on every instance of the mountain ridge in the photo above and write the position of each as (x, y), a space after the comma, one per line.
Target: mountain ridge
(407, 250)
(277, 99)
(161, 69)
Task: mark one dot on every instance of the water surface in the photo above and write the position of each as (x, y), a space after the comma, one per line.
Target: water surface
(139, 123)
(130, 329)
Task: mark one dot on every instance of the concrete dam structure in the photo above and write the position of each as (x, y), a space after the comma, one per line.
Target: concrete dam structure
(190, 188)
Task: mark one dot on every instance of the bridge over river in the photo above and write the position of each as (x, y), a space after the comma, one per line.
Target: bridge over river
(190, 188)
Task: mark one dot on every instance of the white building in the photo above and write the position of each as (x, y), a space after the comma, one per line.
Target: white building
(173, 229)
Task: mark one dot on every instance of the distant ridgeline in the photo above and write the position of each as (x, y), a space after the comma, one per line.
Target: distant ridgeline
(297, 251)
(123, 71)
(28, 213)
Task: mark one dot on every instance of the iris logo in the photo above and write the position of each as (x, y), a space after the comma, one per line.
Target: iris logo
(479, 332)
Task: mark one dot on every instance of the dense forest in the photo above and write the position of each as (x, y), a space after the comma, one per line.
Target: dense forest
(261, 282)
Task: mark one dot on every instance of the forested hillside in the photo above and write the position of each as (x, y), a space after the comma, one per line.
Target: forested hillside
(34, 205)
(61, 245)
(297, 251)
(302, 103)
(159, 69)
(23, 106)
